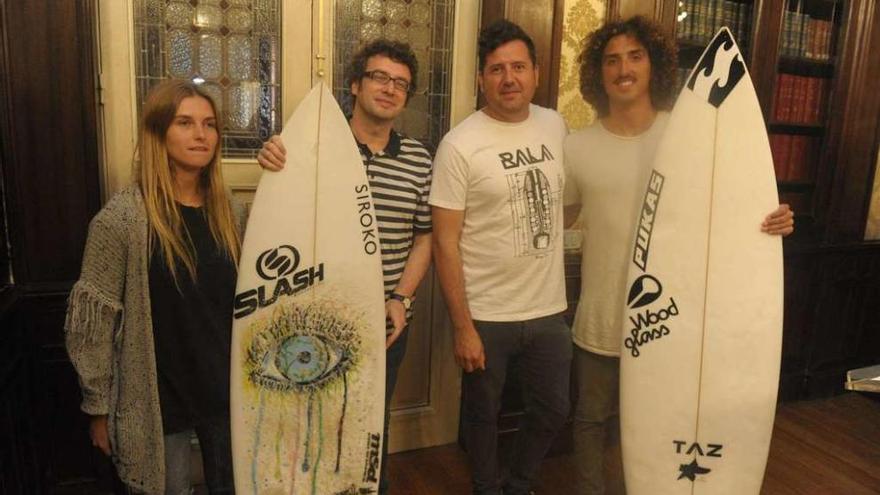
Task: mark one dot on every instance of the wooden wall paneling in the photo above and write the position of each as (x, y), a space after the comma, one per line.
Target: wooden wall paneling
(800, 289)
(556, 53)
(20, 471)
(68, 461)
(51, 165)
(844, 186)
(49, 156)
(846, 328)
(665, 12)
(622, 9)
(5, 260)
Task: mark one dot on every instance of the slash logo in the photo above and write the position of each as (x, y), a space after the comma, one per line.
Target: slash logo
(278, 262)
(691, 471)
(281, 265)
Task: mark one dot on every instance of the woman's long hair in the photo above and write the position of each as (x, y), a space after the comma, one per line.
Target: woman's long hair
(155, 177)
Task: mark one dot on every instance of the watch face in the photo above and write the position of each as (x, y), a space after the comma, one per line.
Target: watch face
(406, 301)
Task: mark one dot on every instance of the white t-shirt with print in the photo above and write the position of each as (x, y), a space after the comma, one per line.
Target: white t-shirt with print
(508, 178)
(607, 175)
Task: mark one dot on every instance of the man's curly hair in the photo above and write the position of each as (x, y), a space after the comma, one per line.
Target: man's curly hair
(661, 51)
(397, 51)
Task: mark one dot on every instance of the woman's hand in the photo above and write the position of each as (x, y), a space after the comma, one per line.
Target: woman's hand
(272, 155)
(100, 433)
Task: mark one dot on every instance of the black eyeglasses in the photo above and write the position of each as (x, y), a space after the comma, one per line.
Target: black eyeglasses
(382, 77)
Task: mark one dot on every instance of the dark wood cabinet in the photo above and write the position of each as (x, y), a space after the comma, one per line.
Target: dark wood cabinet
(50, 183)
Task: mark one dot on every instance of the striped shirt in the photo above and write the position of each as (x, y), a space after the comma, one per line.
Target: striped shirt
(400, 180)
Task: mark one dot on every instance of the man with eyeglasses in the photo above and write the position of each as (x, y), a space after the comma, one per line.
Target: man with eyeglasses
(382, 77)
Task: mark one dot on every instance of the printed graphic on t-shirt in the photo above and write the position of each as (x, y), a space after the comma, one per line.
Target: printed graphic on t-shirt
(533, 203)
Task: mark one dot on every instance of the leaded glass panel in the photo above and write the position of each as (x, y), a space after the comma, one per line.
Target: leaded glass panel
(427, 26)
(229, 46)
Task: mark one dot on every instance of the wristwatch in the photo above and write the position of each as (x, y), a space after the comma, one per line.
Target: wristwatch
(406, 301)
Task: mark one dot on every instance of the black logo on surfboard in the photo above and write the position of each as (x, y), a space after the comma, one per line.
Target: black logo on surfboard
(719, 70)
(277, 262)
(645, 290)
(353, 490)
(691, 471)
(281, 265)
(646, 220)
(373, 454)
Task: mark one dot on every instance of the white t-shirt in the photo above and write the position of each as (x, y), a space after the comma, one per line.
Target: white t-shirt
(508, 179)
(607, 175)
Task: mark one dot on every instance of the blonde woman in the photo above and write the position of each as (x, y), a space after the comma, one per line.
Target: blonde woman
(149, 321)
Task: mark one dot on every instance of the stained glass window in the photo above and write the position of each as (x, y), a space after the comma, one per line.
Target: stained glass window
(427, 26)
(231, 47)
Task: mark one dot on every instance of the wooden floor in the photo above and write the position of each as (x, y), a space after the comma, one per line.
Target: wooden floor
(823, 447)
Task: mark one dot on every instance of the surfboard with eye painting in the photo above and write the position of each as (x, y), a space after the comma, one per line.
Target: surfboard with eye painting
(701, 350)
(308, 351)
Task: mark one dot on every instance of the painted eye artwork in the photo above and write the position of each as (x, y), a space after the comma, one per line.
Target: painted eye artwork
(302, 349)
(307, 349)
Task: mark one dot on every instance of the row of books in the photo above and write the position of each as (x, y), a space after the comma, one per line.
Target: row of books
(800, 99)
(806, 37)
(699, 20)
(793, 156)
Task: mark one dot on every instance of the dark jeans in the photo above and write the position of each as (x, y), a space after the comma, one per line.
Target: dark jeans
(543, 348)
(393, 357)
(215, 443)
(596, 429)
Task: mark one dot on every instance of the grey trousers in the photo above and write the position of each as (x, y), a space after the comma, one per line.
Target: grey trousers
(214, 441)
(543, 347)
(597, 424)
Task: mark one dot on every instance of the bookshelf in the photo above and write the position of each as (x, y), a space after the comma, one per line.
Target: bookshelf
(794, 68)
(697, 21)
(804, 80)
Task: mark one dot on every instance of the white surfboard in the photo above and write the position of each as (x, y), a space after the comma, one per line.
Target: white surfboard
(701, 349)
(308, 369)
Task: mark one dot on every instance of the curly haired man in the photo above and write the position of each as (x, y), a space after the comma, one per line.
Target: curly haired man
(628, 74)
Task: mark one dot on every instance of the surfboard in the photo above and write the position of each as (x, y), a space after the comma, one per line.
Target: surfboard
(701, 347)
(308, 353)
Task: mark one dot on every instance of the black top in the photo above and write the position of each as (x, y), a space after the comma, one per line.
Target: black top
(192, 330)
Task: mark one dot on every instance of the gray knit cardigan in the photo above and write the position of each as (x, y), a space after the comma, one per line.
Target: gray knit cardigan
(109, 337)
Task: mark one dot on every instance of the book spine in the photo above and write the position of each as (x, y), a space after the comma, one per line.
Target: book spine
(798, 35)
(786, 92)
(798, 169)
(824, 95)
(799, 100)
(812, 100)
(827, 40)
(810, 38)
(779, 148)
(786, 34)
